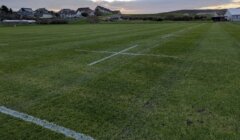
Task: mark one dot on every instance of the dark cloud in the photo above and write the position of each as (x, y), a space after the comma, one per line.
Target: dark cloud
(135, 6)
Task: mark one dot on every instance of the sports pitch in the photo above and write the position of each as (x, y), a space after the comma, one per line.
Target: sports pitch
(122, 81)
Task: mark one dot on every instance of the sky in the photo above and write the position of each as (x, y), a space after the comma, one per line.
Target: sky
(126, 6)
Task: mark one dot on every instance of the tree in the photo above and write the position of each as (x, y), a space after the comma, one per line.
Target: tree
(10, 11)
(4, 9)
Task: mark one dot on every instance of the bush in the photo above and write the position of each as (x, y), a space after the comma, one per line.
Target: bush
(93, 19)
(145, 18)
(179, 18)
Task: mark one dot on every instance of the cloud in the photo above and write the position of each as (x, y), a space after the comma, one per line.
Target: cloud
(126, 6)
(111, 0)
(231, 4)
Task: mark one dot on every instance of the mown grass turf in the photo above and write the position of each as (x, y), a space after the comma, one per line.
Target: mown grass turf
(44, 73)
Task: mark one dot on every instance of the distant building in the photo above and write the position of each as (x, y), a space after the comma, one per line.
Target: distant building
(86, 10)
(217, 17)
(233, 14)
(42, 13)
(26, 13)
(67, 13)
(46, 16)
(100, 11)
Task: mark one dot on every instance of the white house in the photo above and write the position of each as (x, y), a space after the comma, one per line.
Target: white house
(46, 16)
(43, 13)
(233, 14)
(26, 13)
(87, 11)
(67, 13)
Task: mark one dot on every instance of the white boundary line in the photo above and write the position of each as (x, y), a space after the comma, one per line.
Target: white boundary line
(108, 57)
(89, 51)
(155, 55)
(131, 54)
(48, 125)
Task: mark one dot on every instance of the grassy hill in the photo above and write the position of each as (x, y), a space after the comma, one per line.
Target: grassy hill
(194, 12)
(181, 13)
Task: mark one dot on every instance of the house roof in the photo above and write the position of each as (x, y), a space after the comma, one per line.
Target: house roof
(27, 9)
(103, 8)
(41, 10)
(85, 9)
(234, 11)
(67, 11)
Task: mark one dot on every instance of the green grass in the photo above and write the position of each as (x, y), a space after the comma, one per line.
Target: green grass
(195, 96)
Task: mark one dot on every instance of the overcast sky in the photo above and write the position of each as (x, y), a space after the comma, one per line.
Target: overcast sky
(126, 6)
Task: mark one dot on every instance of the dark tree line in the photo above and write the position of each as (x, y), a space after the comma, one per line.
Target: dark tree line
(6, 10)
(169, 17)
(7, 13)
(146, 18)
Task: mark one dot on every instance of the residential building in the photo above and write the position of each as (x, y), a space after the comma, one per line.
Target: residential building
(233, 14)
(87, 11)
(26, 13)
(67, 13)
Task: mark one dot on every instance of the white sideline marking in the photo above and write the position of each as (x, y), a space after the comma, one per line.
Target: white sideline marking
(96, 51)
(48, 125)
(155, 55)
(132, 54)
(108, 57)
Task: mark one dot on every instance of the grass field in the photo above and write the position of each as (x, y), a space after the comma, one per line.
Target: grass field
(164, 81)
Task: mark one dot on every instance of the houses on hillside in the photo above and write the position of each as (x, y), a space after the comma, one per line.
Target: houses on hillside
(110, 15)
(43, 13)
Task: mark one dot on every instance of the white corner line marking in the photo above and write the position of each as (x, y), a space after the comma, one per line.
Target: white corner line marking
(89, 51)
(43, 123)
(108, 57)
(154, 55)
(131, 54)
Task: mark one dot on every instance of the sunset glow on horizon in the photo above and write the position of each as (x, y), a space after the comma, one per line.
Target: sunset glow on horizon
(126, 6)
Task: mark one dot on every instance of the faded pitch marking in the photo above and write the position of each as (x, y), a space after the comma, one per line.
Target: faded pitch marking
(181, 31)
(131, 54)
(104, 52)
(48, 125)
(154, 55)
(175, 34)
(115, 54)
